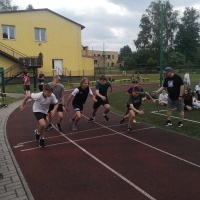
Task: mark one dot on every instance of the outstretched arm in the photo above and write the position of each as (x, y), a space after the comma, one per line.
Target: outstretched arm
(27, 97)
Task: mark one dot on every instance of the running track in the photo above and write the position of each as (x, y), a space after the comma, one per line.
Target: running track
(102, 161)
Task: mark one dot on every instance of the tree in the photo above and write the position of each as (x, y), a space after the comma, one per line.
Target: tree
(29, 7)
(149, 36)
(187, 38)
(125, 52)
(6, 6)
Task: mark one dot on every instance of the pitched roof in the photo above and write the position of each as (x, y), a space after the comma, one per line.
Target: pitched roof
(43, 9)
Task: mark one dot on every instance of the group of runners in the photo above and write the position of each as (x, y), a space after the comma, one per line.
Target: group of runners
(51, 100)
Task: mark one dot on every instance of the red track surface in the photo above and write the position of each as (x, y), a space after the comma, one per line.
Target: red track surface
(102, 161)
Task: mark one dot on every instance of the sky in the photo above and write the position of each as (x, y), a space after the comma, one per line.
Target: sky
(109, 24)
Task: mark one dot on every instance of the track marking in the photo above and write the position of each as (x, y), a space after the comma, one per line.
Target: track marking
(78, 140)
(157, 113)
(71, 133)
(108, 167)
(165, 152)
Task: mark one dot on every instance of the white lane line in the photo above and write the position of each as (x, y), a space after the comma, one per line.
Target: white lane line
(189, 120)
(110, 169)
(165, 152)
(78, 140)
(72, 133)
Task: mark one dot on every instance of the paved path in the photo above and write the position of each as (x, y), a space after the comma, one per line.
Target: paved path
(13, 184)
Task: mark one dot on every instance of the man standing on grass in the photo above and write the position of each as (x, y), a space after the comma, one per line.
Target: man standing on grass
(175, 88)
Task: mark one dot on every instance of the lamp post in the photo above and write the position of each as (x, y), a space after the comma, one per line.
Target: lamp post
(161, 42)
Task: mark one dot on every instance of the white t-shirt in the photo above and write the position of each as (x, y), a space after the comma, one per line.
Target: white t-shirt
(76, 91)
(163, 97)
(41, 104)
(197, 87)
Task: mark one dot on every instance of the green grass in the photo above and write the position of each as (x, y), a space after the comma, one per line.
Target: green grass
(190, 128)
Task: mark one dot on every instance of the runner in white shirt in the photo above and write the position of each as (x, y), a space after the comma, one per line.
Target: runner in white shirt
(40, 109)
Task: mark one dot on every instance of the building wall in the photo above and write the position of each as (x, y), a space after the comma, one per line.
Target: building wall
(105, 59)
(63, 38)
(87, 62)
(5, 63)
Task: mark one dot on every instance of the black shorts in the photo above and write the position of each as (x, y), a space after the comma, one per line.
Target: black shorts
(39, 115)
(27, 87)
(100, 102)
(59, 109)
(77, 107)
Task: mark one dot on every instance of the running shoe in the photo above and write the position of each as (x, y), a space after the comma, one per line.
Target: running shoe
(168, 123)
(37, 135)
(49, 127)
(41, 143)
(130, 129)
(72, 120)
(106, 117)
(180, 124)
(59, 127)
(74, 127)
(92, 119)
(134, 121)
(121, 121)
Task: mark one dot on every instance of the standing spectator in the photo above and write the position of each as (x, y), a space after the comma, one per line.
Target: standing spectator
(79, 96)
(27, 83)
(188, 99)
(175, 88)
(163, 98)
(197, 89)
(101, 97)
(58, 91)
(40, 81)
(40, 109)
(187, 79)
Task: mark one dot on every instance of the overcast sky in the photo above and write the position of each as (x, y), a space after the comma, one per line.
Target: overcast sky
(109, 24)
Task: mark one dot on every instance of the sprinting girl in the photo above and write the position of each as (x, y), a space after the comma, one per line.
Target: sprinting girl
(79, 96)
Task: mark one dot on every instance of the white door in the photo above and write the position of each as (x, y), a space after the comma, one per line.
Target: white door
(58, 66)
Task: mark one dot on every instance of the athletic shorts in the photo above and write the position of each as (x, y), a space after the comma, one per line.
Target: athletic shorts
(100, 102)
(175, 104)
(77, 107)
(59, 109)
(27, 87)
(39, 115)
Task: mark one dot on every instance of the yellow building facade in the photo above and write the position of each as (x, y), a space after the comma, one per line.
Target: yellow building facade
(42, 30)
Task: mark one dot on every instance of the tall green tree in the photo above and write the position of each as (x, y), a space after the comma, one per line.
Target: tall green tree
(125, 52)
(5, 5)
(187, 38)
(149, 36)
(29, 7)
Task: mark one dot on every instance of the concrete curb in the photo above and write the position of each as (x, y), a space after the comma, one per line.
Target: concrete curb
(13, 185)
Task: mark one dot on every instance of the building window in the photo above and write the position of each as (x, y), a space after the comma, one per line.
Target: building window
(8, 32)
(108, 56)
(95, 62)
(113, 56)
(40, 34)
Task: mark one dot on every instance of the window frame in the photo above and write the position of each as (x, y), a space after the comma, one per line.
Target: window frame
(39, 36)
(10, 29)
